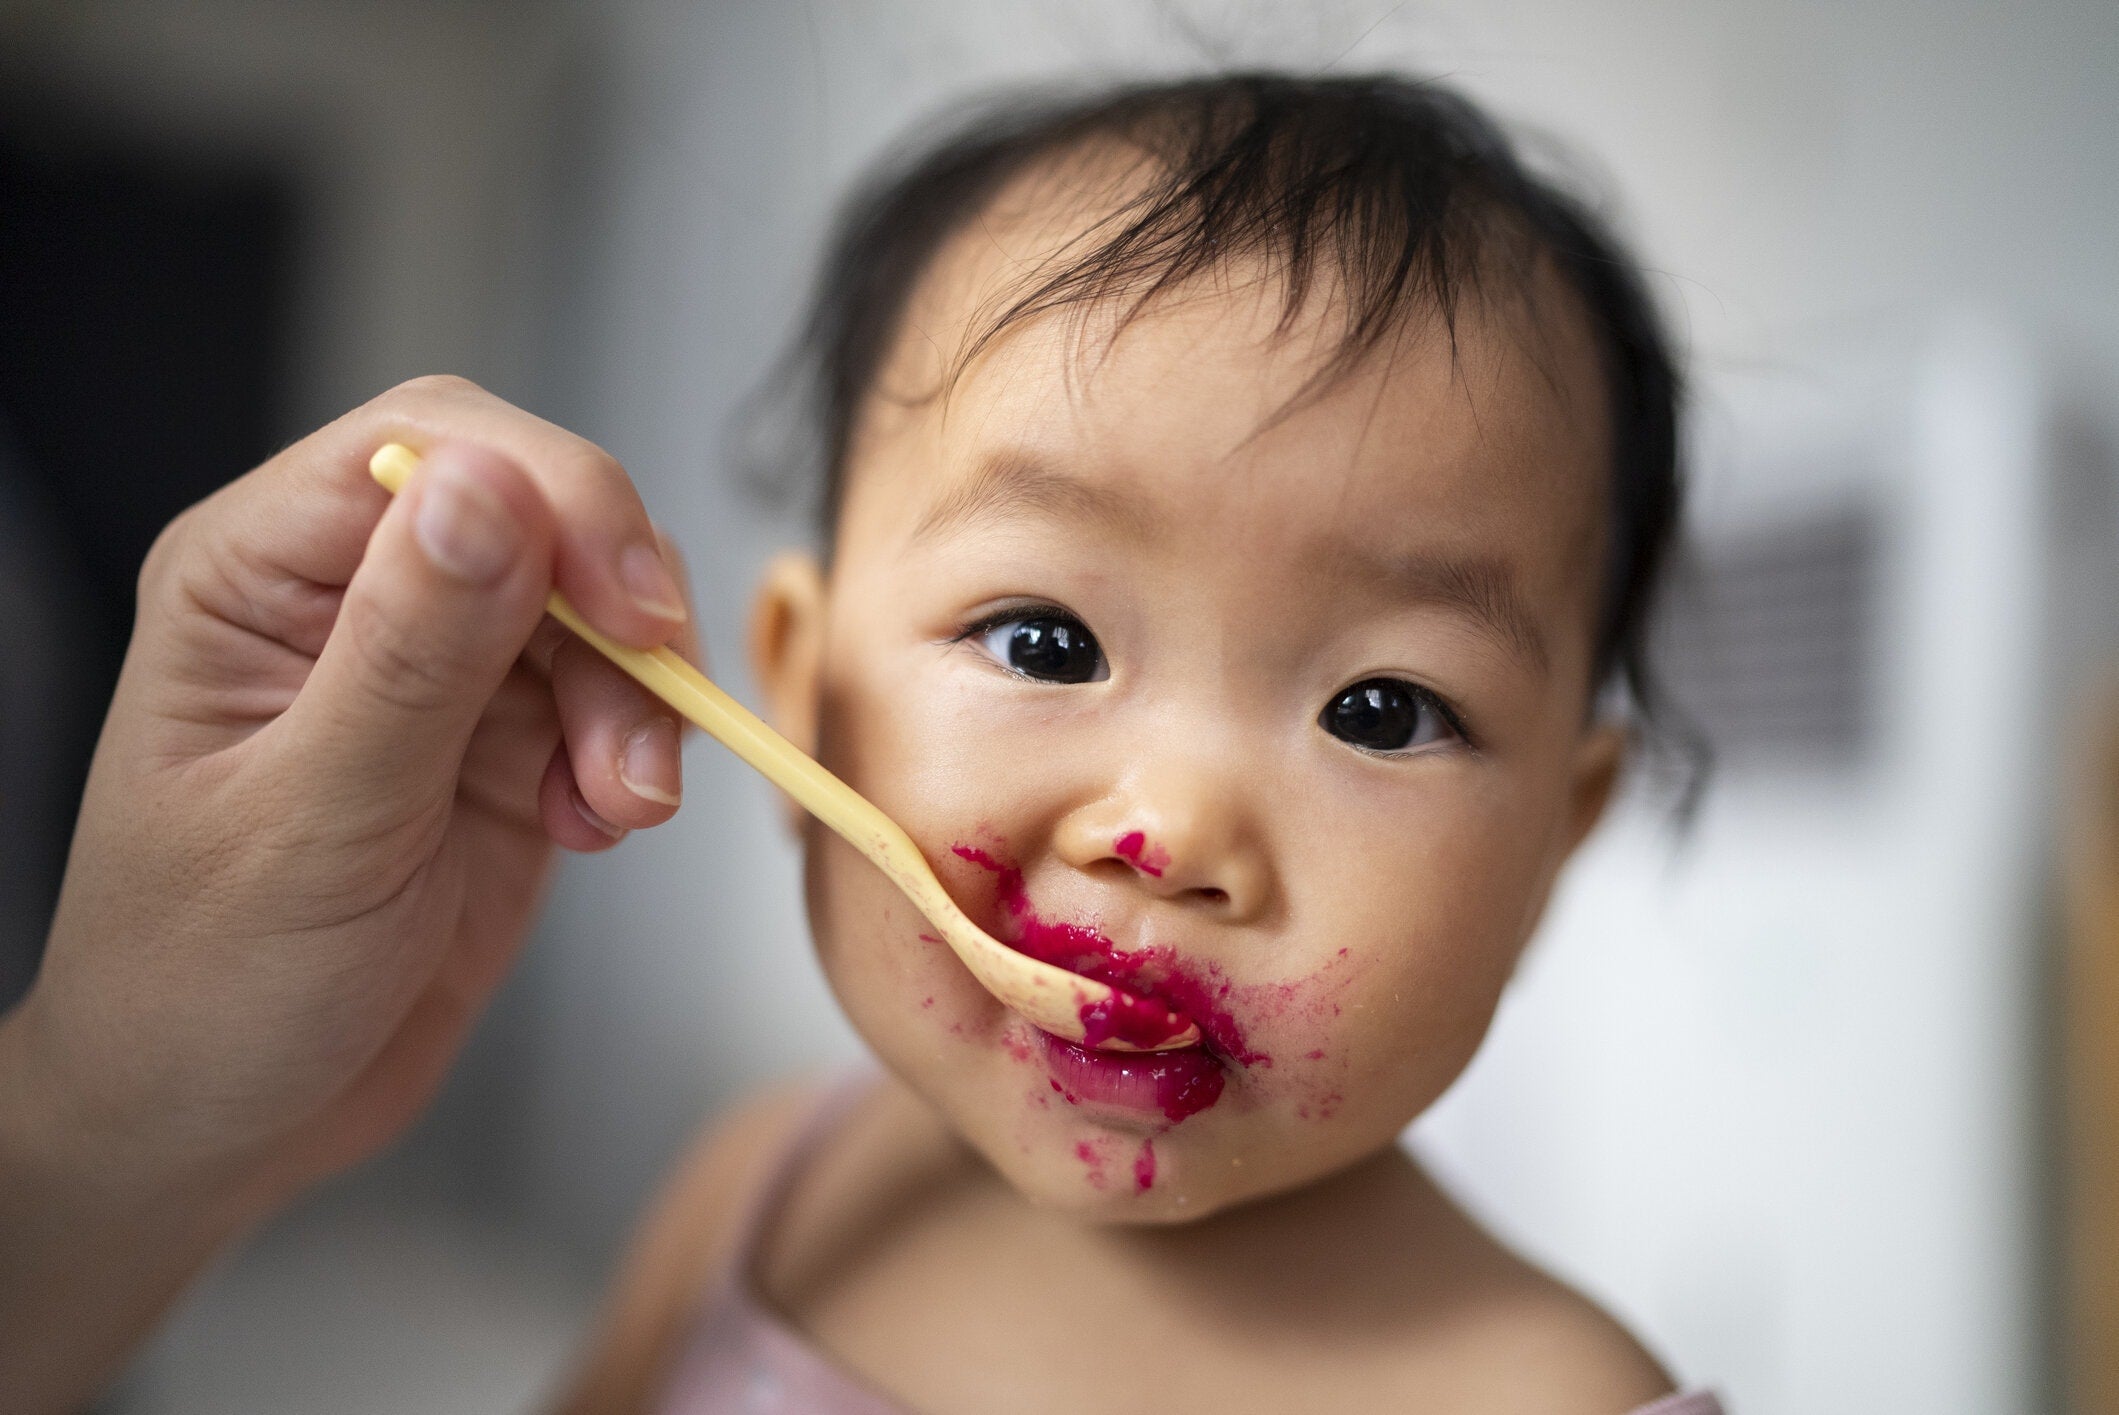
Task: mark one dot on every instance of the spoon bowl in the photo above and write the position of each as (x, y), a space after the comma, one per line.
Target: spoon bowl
(1065, 1004)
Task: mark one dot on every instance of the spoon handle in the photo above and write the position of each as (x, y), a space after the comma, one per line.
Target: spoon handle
(862, 823)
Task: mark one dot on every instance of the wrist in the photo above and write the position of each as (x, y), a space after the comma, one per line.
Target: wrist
(95, 1238)
(62, 1135)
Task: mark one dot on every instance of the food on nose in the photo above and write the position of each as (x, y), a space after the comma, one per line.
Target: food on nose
(1134, 848)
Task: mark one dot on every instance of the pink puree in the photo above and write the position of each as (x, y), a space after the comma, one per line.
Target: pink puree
(1156, 997)
(1148, 859)
(1144, 1167)
(1177, 1083)
(1165, 996)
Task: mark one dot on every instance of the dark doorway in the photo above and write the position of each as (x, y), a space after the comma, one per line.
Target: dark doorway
(145, 296)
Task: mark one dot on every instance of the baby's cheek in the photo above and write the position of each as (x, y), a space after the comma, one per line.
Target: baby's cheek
(918, 1009)
(889, 982)
(1371, 1039)
(1321, 1035)
(1411, 1037)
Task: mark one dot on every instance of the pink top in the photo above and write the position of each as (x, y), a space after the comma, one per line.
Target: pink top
(745, 1357)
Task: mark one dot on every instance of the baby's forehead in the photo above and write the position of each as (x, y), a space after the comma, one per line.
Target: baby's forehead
(1186, 444)
(1038, 253)
(1043, 220)
(1495, 403)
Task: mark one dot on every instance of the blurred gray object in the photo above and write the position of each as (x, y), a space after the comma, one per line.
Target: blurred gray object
(143, 321)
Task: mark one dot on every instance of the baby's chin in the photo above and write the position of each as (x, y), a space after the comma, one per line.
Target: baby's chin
(1113, 1170)
(1118, 1181)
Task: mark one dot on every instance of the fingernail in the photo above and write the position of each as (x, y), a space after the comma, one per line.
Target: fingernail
(465, 530)
(649, 766)
(616, 832)
(649, 581)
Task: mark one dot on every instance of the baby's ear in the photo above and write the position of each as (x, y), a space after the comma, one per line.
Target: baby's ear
(787, 644)
(1598, 757)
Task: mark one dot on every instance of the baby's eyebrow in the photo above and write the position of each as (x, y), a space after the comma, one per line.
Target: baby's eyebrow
(1482, 587)
(1012, 482)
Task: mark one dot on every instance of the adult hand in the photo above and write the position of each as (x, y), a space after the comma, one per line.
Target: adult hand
(313, 838)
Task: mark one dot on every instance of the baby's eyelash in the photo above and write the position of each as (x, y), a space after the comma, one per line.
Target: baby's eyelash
(1445, 710)
(1043, 609)
(993, 619)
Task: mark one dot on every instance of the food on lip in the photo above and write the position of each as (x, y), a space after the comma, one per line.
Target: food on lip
(1127, 1016)
(1173, 1084)
(1158, 996)
(1143, 1023)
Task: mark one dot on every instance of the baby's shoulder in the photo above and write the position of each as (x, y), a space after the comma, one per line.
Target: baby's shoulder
(1542, 1346)
(708, 1191)
(686, 1236)
(1511, 1336)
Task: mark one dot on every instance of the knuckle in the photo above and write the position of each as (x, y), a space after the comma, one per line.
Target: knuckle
(167, 549)
(673, 555)
(591, 467)
(401, 670)
(434, 387)
(546, 640)
(584, 682)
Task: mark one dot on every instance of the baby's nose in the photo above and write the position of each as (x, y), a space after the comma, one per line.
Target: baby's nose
(1198, 855)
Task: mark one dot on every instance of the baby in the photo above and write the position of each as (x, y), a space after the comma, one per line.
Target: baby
(1239, 496)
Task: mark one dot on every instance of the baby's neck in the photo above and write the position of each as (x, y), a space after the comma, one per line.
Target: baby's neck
(1371, 1234)
(902, 1250)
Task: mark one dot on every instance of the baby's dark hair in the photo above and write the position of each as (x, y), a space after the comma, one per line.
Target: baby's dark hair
(1404, 189)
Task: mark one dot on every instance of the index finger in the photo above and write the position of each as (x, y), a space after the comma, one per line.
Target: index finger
(323, 504)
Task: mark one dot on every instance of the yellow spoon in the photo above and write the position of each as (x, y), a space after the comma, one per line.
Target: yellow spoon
(1063, 1003)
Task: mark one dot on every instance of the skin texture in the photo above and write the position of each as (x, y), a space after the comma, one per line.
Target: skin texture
(1224, 541)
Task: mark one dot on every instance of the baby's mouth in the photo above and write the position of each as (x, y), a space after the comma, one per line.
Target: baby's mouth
(1129, 1021)
(1154, 1000)
(1172, 1084)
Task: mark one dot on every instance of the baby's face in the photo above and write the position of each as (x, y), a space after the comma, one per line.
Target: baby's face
(1280, 714)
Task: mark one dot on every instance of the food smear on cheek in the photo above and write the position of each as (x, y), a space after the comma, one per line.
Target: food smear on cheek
(1164, 993)
(1148, 859)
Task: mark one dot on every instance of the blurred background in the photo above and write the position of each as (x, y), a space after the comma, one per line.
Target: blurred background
(1822, 1096)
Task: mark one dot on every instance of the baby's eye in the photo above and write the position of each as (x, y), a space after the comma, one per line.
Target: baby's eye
(1048, 646)
(1387, 715)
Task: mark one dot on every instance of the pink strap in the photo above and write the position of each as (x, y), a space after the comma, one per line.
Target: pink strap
(762, 1210)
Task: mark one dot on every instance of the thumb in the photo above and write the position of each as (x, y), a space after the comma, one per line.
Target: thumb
(453, 581)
